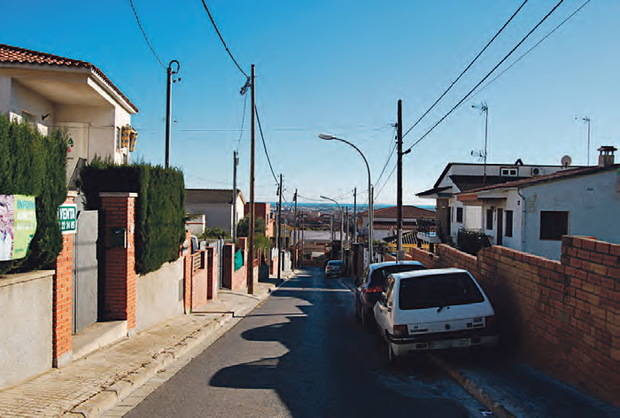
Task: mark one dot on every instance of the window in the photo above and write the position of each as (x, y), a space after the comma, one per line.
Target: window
(489, 218)
(438, 290)
(508, 230)
(509, 172)
(553, 224)
(379, 277)
(459, 215)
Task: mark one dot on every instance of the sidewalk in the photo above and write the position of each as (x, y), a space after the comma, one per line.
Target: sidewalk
(97, 382)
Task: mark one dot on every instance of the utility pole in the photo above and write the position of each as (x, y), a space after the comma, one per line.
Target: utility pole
(295, 230)
(170, 72)
(302, 239)
(331, 226)
(346, 230)
(355, 215)
(485, 109)
(341, 234)
(234, 195)
(279, 235)
(250, 261)
(399, 180)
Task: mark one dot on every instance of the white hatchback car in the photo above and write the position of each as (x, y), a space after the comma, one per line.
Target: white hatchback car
(434, 309)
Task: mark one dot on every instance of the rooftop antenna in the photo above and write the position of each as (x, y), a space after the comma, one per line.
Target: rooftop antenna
(586, 120)
(484, 109)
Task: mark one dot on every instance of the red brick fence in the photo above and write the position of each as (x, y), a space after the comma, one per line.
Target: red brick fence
(562, 316)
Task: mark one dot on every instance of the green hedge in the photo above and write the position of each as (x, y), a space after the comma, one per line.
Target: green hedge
(160, 212)
(472, 241)
(35, 165)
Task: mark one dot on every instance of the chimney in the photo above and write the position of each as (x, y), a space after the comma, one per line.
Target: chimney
(606, 155)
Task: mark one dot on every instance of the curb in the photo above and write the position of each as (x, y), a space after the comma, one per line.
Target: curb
(112, 395)
(472, 388)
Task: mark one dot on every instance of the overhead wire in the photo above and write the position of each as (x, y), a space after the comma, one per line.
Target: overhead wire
(144, 35)
(262, 137)
(532, 47)
(389, 158)
(487, 75)
(219, 34)
(471, 63)
(245, 101)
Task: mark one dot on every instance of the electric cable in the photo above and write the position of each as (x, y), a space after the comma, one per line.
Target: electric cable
(533, 47)
(219, 34)
(486, 76)
(245, 101)
(144, 35)
(466, 68)
(262, 137)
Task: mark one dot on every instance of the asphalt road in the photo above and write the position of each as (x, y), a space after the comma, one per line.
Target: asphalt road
(302, 354)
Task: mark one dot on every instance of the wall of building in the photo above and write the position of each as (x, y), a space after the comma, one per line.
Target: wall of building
(25, 325)
(218, 214)
(159, 295)
(561, 316)
(593, 203)
(16, 98)
(472, 218)
(514, 203)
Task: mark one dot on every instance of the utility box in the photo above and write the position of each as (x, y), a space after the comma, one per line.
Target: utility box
(116, 238)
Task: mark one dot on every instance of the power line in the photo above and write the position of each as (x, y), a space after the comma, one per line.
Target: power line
(262, 137)
(533, 47)
(389, 158)
(486, 76)
(245, 100)
(144, 35)
(466, 68)
(386, 181)
(219, 34)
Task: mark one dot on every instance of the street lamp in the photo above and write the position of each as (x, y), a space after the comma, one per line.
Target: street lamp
(371, 214)
(341, 224)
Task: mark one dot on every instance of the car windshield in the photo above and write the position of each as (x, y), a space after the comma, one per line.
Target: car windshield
(377, 278)
(438, 290)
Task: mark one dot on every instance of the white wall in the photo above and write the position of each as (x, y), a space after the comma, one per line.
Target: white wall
(593, 203)
(514, 203)
(159, 295)
(471, 217)
(16, 98)
(25, 325)
(218, 214)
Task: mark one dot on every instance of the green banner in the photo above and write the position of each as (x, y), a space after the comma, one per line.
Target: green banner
(238, 259)
(67, 218)
(18, 223)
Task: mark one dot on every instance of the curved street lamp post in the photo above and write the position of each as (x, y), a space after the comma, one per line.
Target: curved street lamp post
(371, 211)
(341, 224)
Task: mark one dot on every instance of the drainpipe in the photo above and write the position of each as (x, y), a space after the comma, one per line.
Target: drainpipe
(523, 219)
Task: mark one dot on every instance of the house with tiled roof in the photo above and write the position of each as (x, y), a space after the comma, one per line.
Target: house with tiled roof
(50, 91)
(221, 208)
(451, 214)
(532, 214)
(385, 220)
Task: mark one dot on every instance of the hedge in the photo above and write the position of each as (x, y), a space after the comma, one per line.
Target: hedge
(472, 241)
(34, 164)
(160, 211)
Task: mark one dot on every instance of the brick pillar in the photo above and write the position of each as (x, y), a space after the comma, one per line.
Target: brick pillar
(228, 265)
(119, 288)
(62, 300)
(212, 270)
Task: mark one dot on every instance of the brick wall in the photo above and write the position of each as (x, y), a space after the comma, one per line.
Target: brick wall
(62, 302)
(119, 290)
(562, 316)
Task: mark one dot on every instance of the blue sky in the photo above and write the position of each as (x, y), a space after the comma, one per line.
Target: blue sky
(339, 67)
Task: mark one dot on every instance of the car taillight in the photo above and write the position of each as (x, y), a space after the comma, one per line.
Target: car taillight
(490, 323)
(400, 331)
(372, 290)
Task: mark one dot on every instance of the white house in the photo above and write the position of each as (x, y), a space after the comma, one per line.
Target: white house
(452, 214)
(532, 214)
(217, 206)
(50, 91)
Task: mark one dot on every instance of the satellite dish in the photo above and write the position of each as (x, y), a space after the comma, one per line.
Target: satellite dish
(566, 161)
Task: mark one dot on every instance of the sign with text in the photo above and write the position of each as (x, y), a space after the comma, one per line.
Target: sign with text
(67, 218)
(18, 224)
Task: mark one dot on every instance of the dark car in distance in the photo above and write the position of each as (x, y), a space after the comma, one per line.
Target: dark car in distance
(367, 293)
(334, 268)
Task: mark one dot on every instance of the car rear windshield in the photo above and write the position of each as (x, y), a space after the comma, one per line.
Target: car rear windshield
(377, 278)
(438, 290)
(334, 263)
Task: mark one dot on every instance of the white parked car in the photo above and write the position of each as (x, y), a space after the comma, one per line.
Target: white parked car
(434, 309)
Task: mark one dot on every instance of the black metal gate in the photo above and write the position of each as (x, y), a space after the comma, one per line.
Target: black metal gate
(85, 275)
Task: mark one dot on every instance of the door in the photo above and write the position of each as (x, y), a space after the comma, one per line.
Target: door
(85, 275)
(500, 227)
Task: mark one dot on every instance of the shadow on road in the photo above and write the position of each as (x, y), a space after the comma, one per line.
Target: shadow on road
(332, 367)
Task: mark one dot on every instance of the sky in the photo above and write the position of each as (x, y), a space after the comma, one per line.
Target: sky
(339, 67)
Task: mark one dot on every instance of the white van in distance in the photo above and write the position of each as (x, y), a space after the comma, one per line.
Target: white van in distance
(434, 309)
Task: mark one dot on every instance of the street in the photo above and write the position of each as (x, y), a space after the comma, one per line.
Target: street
(301, 353)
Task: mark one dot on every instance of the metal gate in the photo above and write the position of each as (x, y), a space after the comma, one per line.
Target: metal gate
(85, 275)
